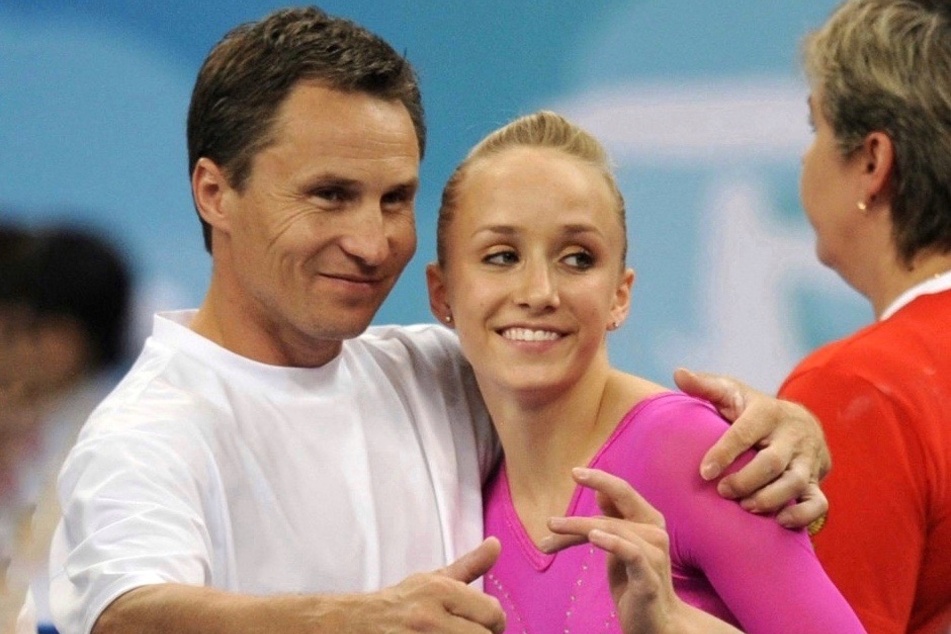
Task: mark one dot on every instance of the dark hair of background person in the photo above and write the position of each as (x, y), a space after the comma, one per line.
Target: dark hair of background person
(251, 71)
(73, 273)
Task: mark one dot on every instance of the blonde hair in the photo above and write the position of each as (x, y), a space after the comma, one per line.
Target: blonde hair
(543, 129)
(885, 65)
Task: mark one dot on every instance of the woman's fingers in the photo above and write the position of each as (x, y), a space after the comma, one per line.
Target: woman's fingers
(617, 498)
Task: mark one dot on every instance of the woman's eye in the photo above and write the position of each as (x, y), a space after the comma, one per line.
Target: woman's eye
(501, 258)
(580, 260)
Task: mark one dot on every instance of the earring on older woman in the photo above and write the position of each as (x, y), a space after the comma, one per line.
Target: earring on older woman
(863, 206)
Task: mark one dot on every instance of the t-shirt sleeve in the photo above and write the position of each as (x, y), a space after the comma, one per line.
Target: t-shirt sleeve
(132, 516)
(447, 375)
(766, 575)
(877, 501)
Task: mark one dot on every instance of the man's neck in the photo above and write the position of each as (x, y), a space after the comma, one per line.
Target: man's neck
(239, 332)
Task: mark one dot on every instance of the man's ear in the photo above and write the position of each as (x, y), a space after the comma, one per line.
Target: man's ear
(210, 189)
(438, 296)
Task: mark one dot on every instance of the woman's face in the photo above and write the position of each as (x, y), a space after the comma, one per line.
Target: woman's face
(534, 276)
(829, 191)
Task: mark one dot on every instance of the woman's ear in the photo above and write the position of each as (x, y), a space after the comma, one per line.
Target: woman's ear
(622, 297)
(877, 156)
(210, 188)
(438, 294)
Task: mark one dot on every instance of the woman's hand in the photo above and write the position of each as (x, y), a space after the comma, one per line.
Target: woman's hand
(632, 533)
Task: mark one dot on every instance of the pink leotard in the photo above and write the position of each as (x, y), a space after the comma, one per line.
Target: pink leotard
(744, 568)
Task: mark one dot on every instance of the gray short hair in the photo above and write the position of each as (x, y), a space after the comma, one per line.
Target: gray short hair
(885, 65)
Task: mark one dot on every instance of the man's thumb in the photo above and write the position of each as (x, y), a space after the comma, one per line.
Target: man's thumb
(722, 392)
(474, 563)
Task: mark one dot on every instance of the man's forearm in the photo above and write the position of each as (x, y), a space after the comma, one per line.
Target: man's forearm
(163, 608)
(439, 601)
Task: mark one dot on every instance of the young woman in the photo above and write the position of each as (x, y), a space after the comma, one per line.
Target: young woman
(532, 275)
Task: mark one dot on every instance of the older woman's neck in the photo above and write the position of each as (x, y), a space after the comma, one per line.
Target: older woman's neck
(925, 266)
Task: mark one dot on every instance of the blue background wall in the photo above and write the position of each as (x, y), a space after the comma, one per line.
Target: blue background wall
(701, 104)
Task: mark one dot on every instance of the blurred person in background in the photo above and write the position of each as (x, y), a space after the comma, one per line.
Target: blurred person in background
(876, 187)
(17, 429)
(64, 307)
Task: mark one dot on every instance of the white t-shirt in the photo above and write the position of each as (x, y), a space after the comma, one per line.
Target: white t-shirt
(207, 468)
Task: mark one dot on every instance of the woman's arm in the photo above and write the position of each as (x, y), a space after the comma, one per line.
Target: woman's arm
(768, 577)
(879, 489)
(784, 476)
(632, 533)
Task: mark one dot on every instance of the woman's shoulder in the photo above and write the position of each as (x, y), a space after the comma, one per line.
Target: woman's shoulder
(666, 427)
(674, 413)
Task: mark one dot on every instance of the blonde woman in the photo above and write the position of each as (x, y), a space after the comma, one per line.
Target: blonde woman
(532, 277)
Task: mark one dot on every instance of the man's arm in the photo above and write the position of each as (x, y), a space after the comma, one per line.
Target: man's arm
(792, 457)
(440, 601)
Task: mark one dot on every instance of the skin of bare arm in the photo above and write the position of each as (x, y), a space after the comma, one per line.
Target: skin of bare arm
(439, 601)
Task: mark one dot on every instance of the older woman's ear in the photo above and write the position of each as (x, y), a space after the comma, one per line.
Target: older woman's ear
(877, 156)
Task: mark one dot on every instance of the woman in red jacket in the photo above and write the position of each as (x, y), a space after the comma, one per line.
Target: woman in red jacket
(876, 187)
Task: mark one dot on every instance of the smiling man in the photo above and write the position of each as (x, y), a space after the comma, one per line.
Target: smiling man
(258, 447)
(271, 463)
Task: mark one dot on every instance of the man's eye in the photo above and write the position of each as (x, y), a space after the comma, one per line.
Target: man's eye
(331, 194)
(398, 196)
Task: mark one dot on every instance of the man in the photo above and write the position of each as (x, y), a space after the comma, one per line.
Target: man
(267, 453)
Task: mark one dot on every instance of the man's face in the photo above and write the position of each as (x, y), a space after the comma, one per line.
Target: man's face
(323, 226)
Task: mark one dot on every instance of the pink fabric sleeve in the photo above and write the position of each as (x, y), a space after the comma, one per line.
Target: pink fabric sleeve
(768, 576)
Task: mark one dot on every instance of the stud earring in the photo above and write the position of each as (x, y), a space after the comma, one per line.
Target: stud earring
(862, 206)
(447, 319)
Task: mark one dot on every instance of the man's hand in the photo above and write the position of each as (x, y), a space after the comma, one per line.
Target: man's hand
(442, 601)
(792, 456)
(439, 601)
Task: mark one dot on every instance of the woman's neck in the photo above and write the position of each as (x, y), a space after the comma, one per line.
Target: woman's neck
(545, 435)
(901, 277)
